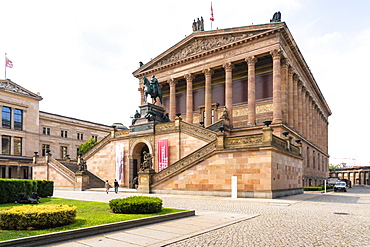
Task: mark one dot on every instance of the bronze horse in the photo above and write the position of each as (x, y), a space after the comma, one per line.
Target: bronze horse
(153, 89)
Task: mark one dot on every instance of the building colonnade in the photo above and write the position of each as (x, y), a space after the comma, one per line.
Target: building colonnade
(295, 101)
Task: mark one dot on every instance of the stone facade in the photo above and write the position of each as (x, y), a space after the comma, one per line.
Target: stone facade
(225, 84)
(28, 130)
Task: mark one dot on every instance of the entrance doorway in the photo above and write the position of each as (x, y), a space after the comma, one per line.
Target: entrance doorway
(137, 159)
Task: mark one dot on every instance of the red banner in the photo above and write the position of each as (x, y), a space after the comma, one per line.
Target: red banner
(162, 154)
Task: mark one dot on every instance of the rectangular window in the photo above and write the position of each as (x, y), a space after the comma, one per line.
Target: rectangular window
(6, 117)
(80, 136)
(18, 146)
(95, 138)
(46, 131)
(45, 149)
(63, 152)
(5, 142)
(18, 119)
(64, 133)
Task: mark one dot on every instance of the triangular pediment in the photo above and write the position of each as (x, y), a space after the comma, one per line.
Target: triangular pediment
(200, 42)
(8, 85)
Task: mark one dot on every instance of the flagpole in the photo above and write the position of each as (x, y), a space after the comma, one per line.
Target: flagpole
(5, 66)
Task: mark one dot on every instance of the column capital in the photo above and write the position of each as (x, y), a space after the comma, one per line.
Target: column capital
(228, 67)
(189, 77)
(295, 78)
(291, 71)
(252, 60)
(207, 72)
(172, 82)
(276, 54)
(285, 64)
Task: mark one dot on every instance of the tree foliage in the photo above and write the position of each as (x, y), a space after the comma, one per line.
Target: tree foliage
(86, 146)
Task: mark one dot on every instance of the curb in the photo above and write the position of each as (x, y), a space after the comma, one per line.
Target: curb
(46, 239)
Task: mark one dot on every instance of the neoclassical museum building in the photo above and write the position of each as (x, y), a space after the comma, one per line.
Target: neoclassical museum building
(240, 108)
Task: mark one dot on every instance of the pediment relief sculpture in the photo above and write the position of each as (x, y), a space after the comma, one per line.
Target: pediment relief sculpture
(8, 86)
(199, 45)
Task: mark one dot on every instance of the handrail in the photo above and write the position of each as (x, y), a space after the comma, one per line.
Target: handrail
(198, 131)
(184, 163)
(97, 147)
(71, 176)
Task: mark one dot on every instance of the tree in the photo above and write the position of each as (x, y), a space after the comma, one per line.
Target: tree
(86, 146)
(331, 166)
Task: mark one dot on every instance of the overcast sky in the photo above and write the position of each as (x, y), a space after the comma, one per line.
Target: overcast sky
(80, 54)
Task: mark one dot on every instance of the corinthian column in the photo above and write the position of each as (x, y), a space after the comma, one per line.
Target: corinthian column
(208, 96)
(189, 97)
(300, 106)
(229, 89)
(172, 83)
(295, 102)
(284, 90)
(251, 61)
(290, 97)
(276, 84)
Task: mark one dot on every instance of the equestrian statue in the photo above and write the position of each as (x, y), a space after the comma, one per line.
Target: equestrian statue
(153, 89)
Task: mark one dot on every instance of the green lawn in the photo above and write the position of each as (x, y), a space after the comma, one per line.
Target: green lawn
(88, 214)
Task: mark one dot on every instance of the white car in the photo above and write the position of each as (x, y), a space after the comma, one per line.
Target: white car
(340, 186)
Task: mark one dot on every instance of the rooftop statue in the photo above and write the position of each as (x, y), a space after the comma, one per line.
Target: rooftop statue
(276, 17)
(153, 89)
(198, 25)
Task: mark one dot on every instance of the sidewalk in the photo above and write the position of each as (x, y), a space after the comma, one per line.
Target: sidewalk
(155, 235)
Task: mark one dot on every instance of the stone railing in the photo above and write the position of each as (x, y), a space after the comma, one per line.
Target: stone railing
(62, 169)
(295, 150)
(198, 131)
(216, 126)
(164, 127)
(280, 143)
(184, 163)
(243, 141)
(97, 147)
(121, 133)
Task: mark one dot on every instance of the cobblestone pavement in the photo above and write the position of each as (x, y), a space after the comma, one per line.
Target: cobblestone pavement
(333, 219)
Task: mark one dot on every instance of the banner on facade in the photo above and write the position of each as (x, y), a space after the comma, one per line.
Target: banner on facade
(162, 154)
(119, 162)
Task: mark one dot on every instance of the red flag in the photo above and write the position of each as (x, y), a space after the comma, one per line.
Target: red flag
(8, 63)
(212, 18)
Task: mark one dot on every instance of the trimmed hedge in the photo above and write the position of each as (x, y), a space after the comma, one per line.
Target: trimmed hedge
(136, 205)
(11, 188)
(318, 188)
(37, 217)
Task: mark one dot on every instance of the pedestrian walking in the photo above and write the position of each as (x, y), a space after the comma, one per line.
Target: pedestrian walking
(135, 182)
(116, 186)
(107, 186)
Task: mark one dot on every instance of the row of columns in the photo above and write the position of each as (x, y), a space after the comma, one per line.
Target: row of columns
(228, 67)
(301, 111)
(8, 172)
(362, 177)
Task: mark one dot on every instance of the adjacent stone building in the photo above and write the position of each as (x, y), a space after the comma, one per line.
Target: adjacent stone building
(242, 104)
(25, 130)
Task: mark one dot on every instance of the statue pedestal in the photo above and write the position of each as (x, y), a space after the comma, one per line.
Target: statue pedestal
(82, 181)
(145, 178)
(147, 124)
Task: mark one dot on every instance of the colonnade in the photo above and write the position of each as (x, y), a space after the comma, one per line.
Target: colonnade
(295, 102)
(301, 109)
(357, 176)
